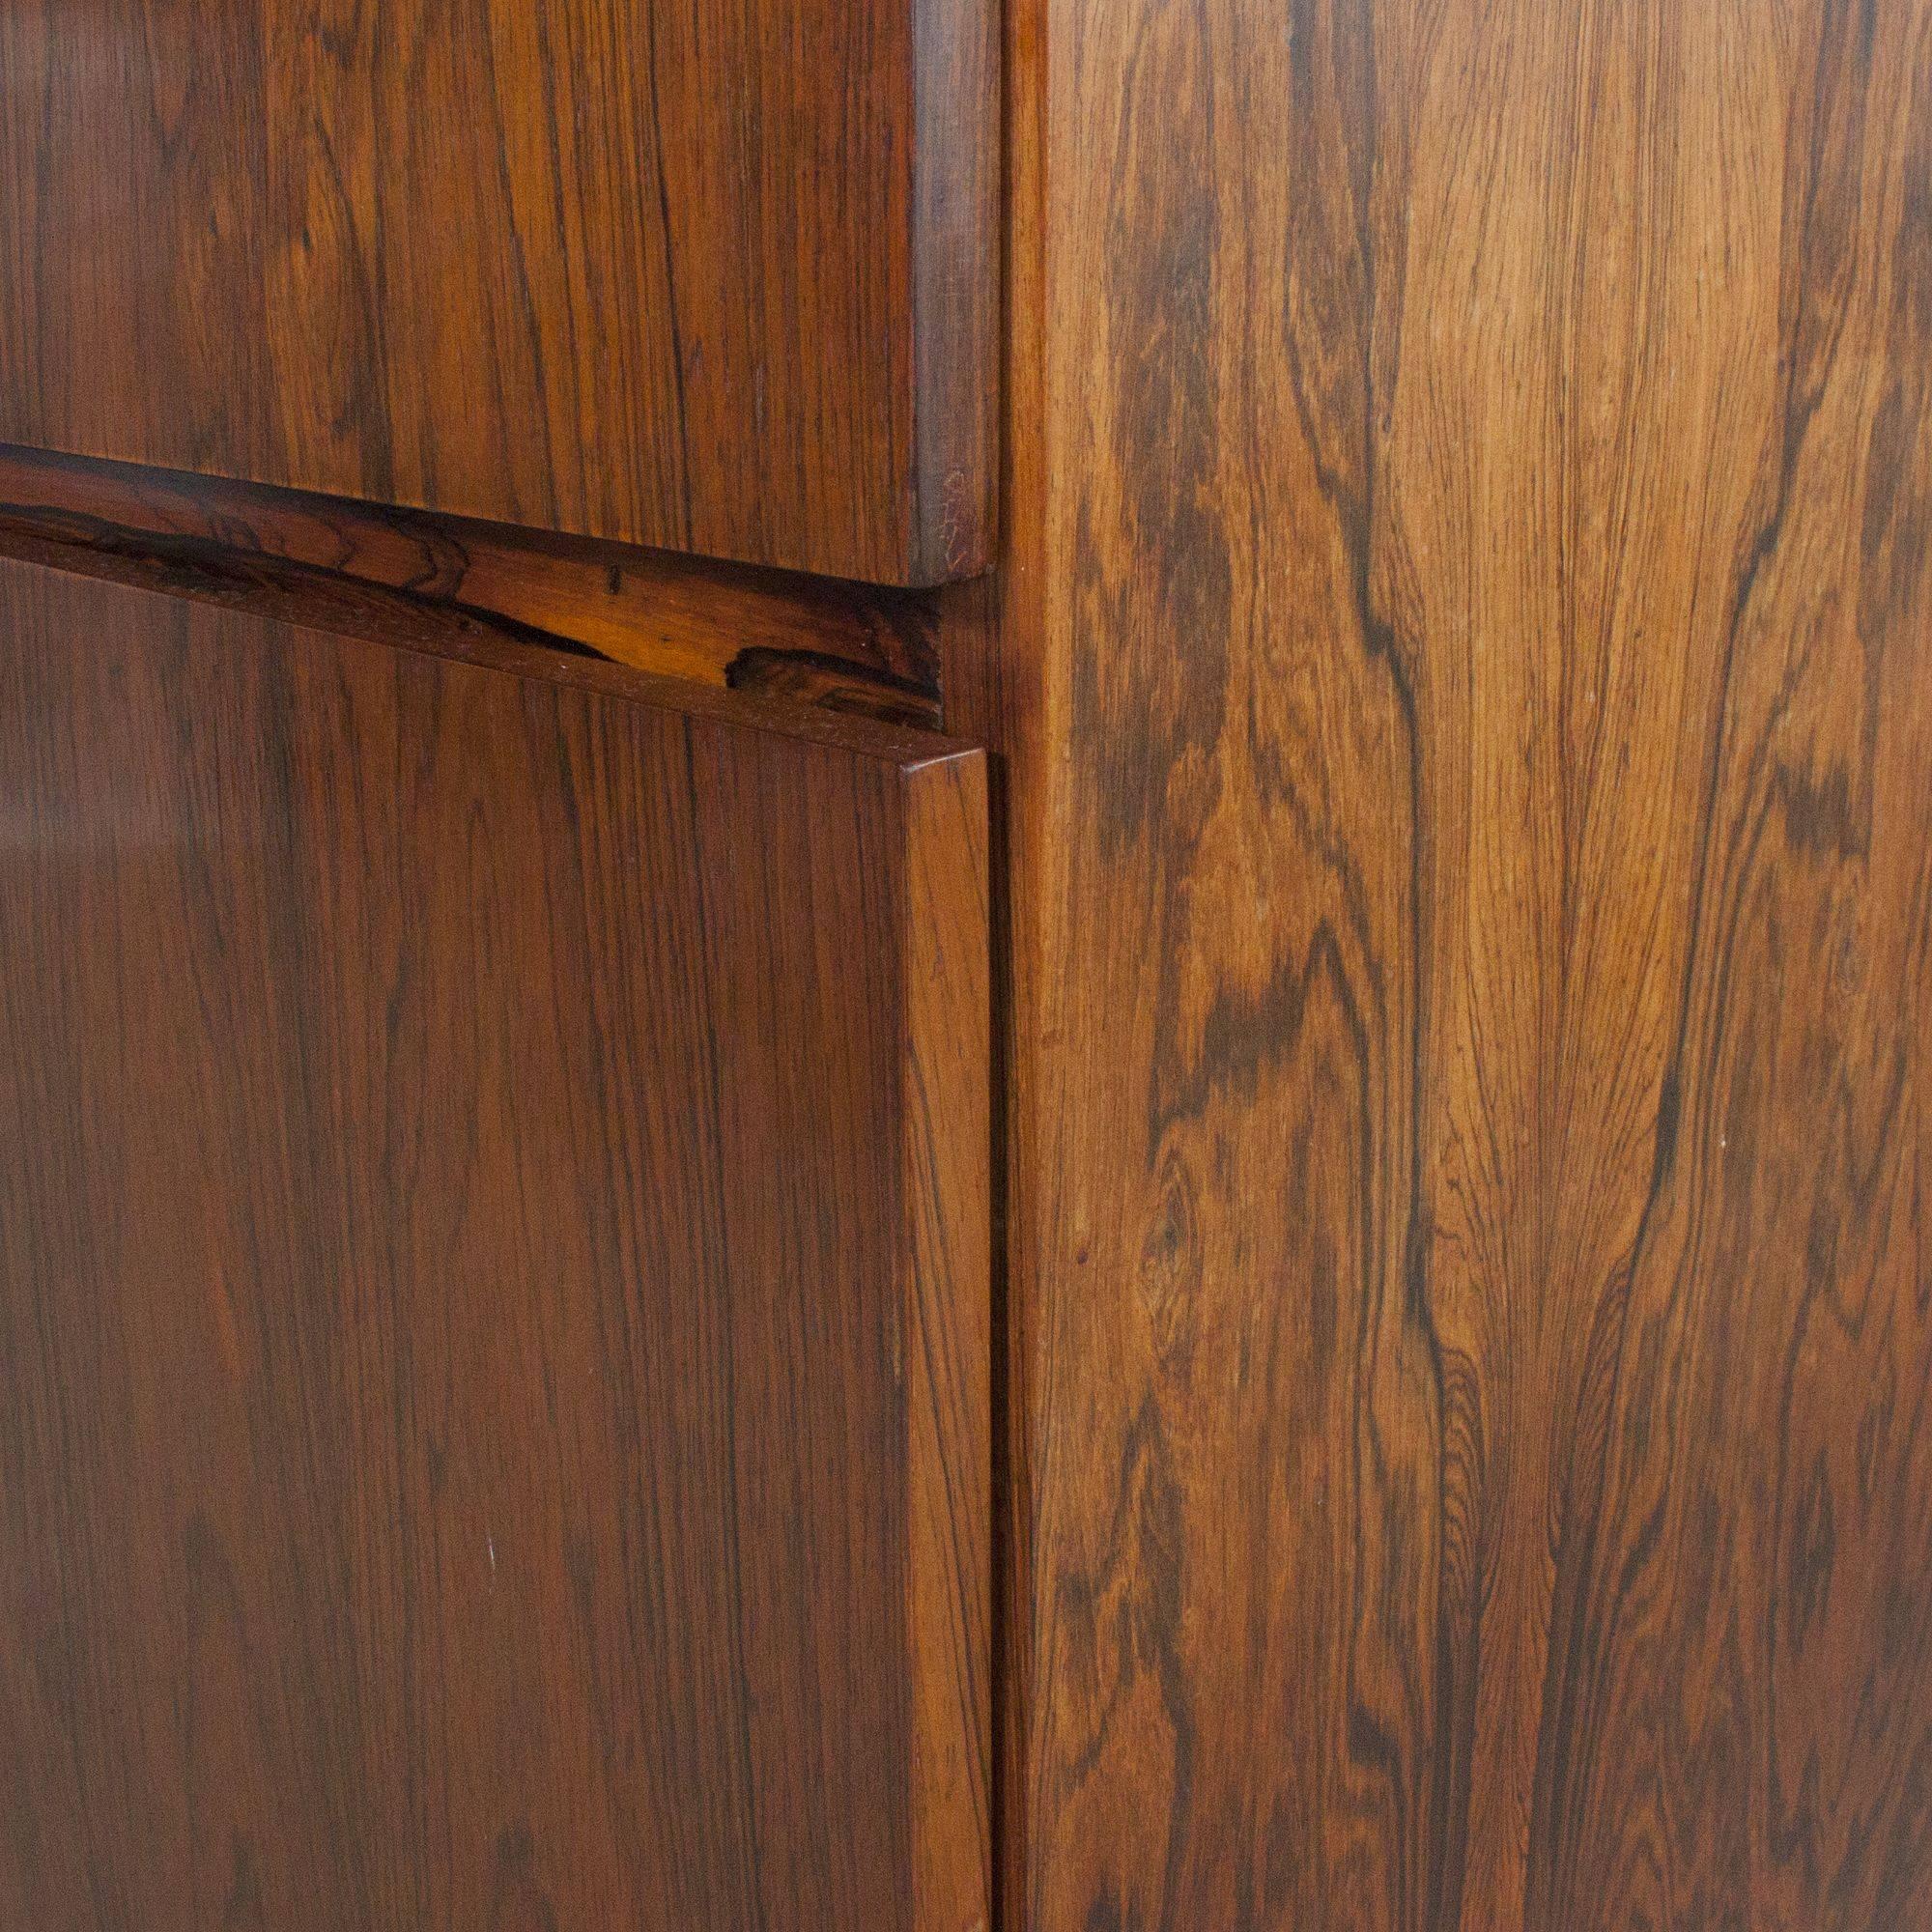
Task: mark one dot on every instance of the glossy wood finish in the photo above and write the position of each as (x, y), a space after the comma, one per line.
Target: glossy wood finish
(412, 578)
(715, 278)
(1463, 665)
(492, 1294)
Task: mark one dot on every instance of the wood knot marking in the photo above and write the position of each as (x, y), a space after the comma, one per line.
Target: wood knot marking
(1169, 1276)
(956, 521)
(518, 1902)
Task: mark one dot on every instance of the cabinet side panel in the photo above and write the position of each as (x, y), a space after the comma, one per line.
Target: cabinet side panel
(1462, 664)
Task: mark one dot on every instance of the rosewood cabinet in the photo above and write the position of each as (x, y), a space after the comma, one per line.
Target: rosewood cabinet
(966, 967)
(495, 1315)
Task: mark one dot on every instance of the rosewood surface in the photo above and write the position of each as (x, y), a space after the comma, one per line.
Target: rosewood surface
(715, 277)
(1463, 662)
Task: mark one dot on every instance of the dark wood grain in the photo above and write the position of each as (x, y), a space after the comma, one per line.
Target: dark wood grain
(1463, 661)
(410, 577)
(716, 278)
(492, 1294)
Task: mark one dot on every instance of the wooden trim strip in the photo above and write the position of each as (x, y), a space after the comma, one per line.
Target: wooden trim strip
(946, 1176)
(411, 577)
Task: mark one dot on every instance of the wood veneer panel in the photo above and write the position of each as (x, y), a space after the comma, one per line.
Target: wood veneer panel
(1462, 662)
(493, 1295)
(715, 278)
(413, 577)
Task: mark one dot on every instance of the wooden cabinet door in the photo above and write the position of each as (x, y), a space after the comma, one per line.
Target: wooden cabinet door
(715, 278)
(492, 1294)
